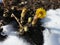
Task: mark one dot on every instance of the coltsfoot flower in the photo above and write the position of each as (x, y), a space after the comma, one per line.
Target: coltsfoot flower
(40, 13)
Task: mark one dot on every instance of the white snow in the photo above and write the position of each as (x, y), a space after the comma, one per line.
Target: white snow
(52, 24)
(12, 38)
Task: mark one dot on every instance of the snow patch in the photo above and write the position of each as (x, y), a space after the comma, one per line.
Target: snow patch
(13, 38)
(52, 25)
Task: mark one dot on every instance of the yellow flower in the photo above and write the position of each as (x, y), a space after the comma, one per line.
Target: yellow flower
(40, 13)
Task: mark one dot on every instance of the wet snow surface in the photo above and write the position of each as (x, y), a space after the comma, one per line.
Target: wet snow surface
(51, 33)
(13, 38)
(52, 24)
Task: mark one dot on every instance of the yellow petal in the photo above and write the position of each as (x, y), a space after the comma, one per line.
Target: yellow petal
(41, 13)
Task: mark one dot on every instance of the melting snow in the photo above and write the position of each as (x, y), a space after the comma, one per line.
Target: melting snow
(12, 38)
(52, 24)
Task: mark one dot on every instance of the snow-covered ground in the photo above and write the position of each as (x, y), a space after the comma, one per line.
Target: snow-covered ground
(13, 38)
(52, 24)
(51, 33)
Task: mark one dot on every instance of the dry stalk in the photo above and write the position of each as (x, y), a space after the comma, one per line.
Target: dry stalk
(21, 28)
